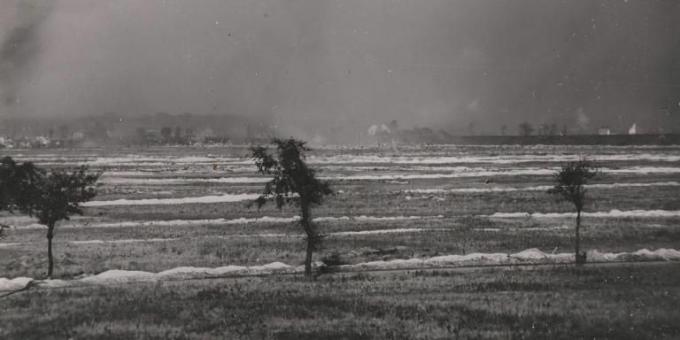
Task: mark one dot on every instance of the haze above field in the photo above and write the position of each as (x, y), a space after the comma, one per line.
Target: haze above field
(307, 64)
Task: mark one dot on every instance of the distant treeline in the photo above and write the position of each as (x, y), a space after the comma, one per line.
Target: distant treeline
(646, 139)
(116, 129)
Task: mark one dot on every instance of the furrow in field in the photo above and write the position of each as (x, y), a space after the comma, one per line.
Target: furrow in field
(258, 235)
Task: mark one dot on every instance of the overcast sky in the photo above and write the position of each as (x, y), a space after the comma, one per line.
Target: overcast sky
(307, 63)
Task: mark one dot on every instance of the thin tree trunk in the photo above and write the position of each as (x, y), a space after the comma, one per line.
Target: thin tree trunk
(577, 242)
(306, 224)
(50, 260)
(308, 259)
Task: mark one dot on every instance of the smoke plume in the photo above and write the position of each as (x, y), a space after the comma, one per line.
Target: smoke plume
(324, 66)
(20, 45)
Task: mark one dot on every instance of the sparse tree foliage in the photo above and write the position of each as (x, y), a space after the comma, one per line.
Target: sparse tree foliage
(50, 196)
(16, 183)
(58, 197)
(293, 182)
(570, 184)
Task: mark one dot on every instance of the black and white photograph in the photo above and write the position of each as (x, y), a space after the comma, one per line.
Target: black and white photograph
(339, 169)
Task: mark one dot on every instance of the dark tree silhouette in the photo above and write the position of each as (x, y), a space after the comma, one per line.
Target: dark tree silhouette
(293, 183)
(178, 134)
(15, 179)
(16, 184)
(49, 196)
(526, 129)
(166, 134)
(58, 197)
(570, 184)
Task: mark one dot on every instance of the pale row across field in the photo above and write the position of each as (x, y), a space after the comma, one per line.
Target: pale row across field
(159, 209)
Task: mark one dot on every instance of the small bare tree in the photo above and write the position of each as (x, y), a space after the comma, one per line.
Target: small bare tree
(293, 183)
(570, 184)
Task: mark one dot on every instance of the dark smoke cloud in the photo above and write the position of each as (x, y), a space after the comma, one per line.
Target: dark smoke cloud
(20, 46)
(319, 65)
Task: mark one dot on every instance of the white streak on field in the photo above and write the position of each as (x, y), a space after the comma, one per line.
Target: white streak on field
(14, 284)
(374, 159)
(143, 240)
(642, 170)
(122, 276)
(495, 173)
(199, 222)
(364, 218)
(387, 177)
(420, 159)
(225, 198)
(475, 190)
(164, 159)
(529, 256)
(538, 188)
(180, 180)
(12, 220)
(266, 219)
(164, 181)
(462, 172)
(526, 256)
(236, 221)
(382, 231)
(172, 223)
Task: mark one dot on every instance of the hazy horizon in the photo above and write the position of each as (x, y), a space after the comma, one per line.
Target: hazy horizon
(317, 64)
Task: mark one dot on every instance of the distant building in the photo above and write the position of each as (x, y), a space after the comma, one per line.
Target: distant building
(5, 142)
(206, 133)
(374, 129)
(78, 136)
(604, 131)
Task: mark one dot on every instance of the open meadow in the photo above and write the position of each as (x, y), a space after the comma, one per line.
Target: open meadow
(437, 212)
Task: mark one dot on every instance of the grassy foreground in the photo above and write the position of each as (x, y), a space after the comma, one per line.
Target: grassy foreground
(618, 302)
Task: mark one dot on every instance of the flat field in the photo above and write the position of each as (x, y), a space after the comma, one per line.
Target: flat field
(163, 208)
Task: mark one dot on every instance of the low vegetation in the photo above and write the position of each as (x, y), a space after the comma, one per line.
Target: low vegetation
(622, 302)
